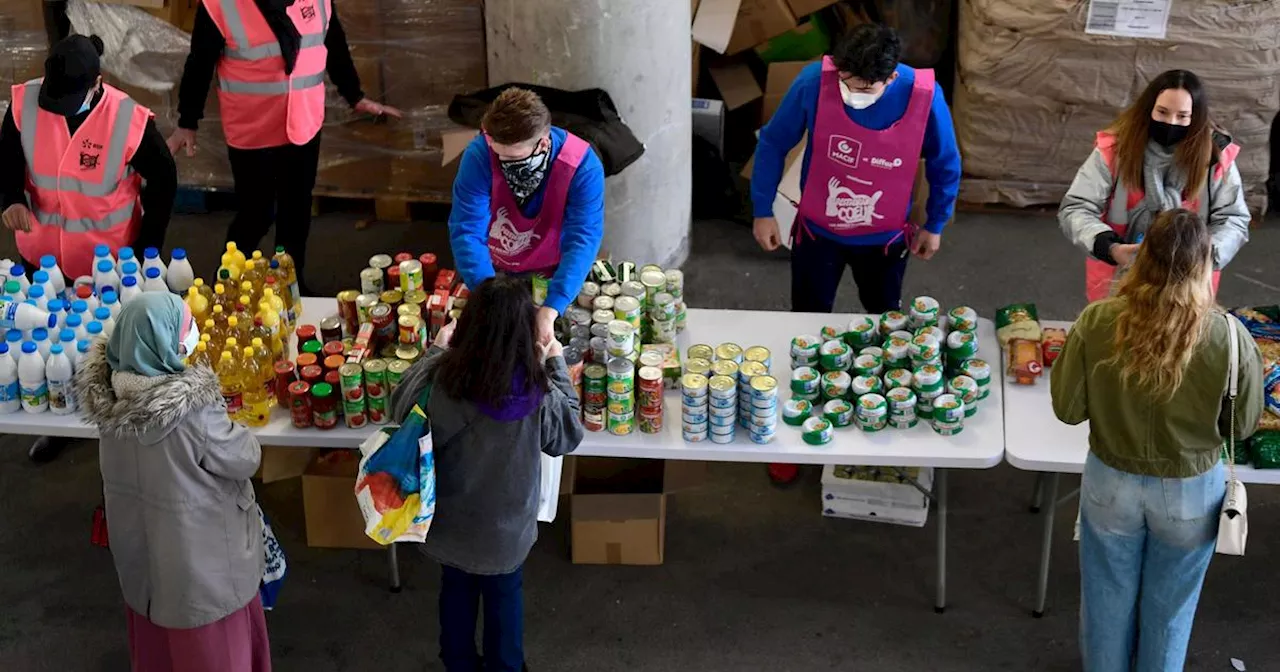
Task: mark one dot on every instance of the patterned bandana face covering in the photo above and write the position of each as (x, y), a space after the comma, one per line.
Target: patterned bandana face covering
(524, 176)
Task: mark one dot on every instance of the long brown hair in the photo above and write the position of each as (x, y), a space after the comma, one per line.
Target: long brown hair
(1168, 296)
(1193, 155)
(493, 353)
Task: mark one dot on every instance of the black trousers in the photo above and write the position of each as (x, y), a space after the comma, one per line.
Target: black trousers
(818, 264)
(274, 183)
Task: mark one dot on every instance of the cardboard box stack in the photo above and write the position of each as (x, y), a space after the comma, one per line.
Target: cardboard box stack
(1034, 87)
(412, 54)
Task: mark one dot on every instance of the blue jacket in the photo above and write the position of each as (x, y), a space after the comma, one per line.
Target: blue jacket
(579, 239)
(795, 116)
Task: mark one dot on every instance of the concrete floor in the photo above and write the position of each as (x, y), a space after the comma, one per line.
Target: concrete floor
(755, 578)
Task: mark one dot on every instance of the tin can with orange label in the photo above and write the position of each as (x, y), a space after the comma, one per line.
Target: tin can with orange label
(349, 311)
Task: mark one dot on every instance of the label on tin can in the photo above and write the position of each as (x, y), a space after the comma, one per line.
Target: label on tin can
(371, 281)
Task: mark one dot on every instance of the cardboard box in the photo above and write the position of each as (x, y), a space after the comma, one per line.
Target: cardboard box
(708, 121)
(777, 83)
(733, 26)
(280, 463)
(737, 84)
(876, 494)
(802, 8)
(618, 507)
(329, 503)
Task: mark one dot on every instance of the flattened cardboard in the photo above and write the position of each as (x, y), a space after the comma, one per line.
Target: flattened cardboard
(802, 8)
(713, 22)
(759, 20)
(737, 85)
(453, 143)
(777, 83)
(333, 518)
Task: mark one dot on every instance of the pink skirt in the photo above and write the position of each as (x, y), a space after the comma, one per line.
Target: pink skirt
(237, 643)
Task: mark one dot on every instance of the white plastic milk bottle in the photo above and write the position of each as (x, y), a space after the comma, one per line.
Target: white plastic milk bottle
(180, 275)
(10, 398)
(24, 316)
(49, 264)
(128, 289)
(57, 373)
(35, 393)
(105, 277)
(151, 259)
(154, 283)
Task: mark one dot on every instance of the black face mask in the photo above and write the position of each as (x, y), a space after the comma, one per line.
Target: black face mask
(1166, 135)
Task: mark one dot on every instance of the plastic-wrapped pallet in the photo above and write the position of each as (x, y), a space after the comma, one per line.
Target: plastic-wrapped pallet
(1034, 88)
(138, 48)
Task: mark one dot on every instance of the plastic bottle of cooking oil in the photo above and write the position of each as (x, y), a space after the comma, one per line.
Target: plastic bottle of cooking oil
(277, 304)
(266, 366)
(250, 291)
(231, 379)
(220, 297)
(198, 304)
(237, 257)
(290, 271)
(201, 356)
(204, 288)
(270, 320)
(257, 405)
(219, 317)
(238, 329)
(261, 331)
(255, 273)
(275, 284)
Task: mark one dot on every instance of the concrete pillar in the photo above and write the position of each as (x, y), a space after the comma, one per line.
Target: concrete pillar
(638, 51)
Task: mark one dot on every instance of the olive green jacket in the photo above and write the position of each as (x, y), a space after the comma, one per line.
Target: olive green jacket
(1131, 431)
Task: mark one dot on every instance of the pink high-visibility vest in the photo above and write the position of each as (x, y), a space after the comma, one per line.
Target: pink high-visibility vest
(261, 106)
(519, 244)
(1099, 275)
(80, 188)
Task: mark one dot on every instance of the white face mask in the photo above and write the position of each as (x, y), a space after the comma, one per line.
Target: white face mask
(858, 100)
(189, 343)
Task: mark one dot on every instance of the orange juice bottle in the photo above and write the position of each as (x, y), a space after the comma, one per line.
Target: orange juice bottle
(231, 379)
(257, 404)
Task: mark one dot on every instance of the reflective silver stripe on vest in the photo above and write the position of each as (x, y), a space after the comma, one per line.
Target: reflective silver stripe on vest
(271, 88)
(235, 24)
(115, 149)
(85, 224)
(1118, 211)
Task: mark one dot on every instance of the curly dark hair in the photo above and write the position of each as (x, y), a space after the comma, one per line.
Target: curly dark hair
(869, 52)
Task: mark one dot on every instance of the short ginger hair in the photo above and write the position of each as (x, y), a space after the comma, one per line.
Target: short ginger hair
(515, 116)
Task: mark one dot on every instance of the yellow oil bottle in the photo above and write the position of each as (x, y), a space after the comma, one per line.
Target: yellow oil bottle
(257, 404)
(198, 304)
(231, 379)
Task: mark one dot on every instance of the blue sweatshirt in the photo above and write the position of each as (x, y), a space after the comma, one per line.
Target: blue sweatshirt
(795, 116)
(579, 238)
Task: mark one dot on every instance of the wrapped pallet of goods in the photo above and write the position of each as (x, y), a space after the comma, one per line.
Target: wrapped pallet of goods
(412, 55)
(1034, 87)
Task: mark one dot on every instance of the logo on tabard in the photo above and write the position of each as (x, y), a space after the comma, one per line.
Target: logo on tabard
(886, 164)
(505, 240)
(88, 161)
(308, 12)
(851, 210)
(844, 149)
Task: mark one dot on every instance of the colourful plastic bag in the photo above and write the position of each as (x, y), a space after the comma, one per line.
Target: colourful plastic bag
(396, 484)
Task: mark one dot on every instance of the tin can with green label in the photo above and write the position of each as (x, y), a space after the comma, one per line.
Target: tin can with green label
(893, 321)
(540, 285)
(396, 369)
(861, 332)
(835, 355)
(627, 309)
(838, 412)
(796, 411)
(980, 371)
(924, 312)
(898, 378)
(948, 409)
(963, 318)
(376, 381)
(835, 384)
(868, 365)
(817, 431)
(805, 380)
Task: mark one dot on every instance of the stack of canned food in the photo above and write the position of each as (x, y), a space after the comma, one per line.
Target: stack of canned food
(621, 386)
(309, 387)
(595, 389)
(886, 371)
(649, 398)
(740, 393)
(365, 393)
(649, 298)
(695, 407)
(948, 415)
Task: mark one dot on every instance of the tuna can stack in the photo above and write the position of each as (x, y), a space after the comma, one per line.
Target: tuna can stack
(723, 408)
(740, 392)
(694, 395)
(888, 371)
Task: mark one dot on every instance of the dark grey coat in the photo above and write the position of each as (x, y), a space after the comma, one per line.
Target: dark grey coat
(487, 471)
(186, 536)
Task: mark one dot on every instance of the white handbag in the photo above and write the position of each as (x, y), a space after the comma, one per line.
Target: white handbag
(1233, 522)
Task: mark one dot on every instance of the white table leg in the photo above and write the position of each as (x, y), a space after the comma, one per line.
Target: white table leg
(1037, 496)
(393, 568)
(1050, 508)
(940, 492)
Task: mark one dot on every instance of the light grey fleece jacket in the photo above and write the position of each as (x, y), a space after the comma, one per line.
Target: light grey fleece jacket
(186, 536)
(1083, 208)
(488, 467)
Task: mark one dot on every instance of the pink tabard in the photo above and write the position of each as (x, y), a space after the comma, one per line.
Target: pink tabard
(519, 244)
(859, 180)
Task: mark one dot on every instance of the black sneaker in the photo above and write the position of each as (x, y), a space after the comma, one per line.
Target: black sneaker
(47, 448)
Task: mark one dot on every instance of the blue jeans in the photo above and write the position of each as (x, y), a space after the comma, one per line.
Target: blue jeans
(1145, 544)
(461, 595)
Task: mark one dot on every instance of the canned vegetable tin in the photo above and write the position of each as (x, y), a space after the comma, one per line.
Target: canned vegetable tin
(898, 378)
(411, 279)
(835, 355)
(587, 295)
(611, 289)
(380, 262)
(621, 424)
(980, 371)
(352, 381)
(829, 334)
(838, 412)
(948, 409)
(796, 411)
(817, 431)
(653, 281)
(621, 376)
(371, 281)
(593, 419)
(376, 378)
(963, 318)
(365, 303)
(868, 365)
(892, 321)
(805, 380)
(861, 332)
(649, 389)
(701, 351)
(408, 353)
(627, 309)
(924, 312)
(675, 282)
(966, 389)
(396, 369)
(835, 385)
